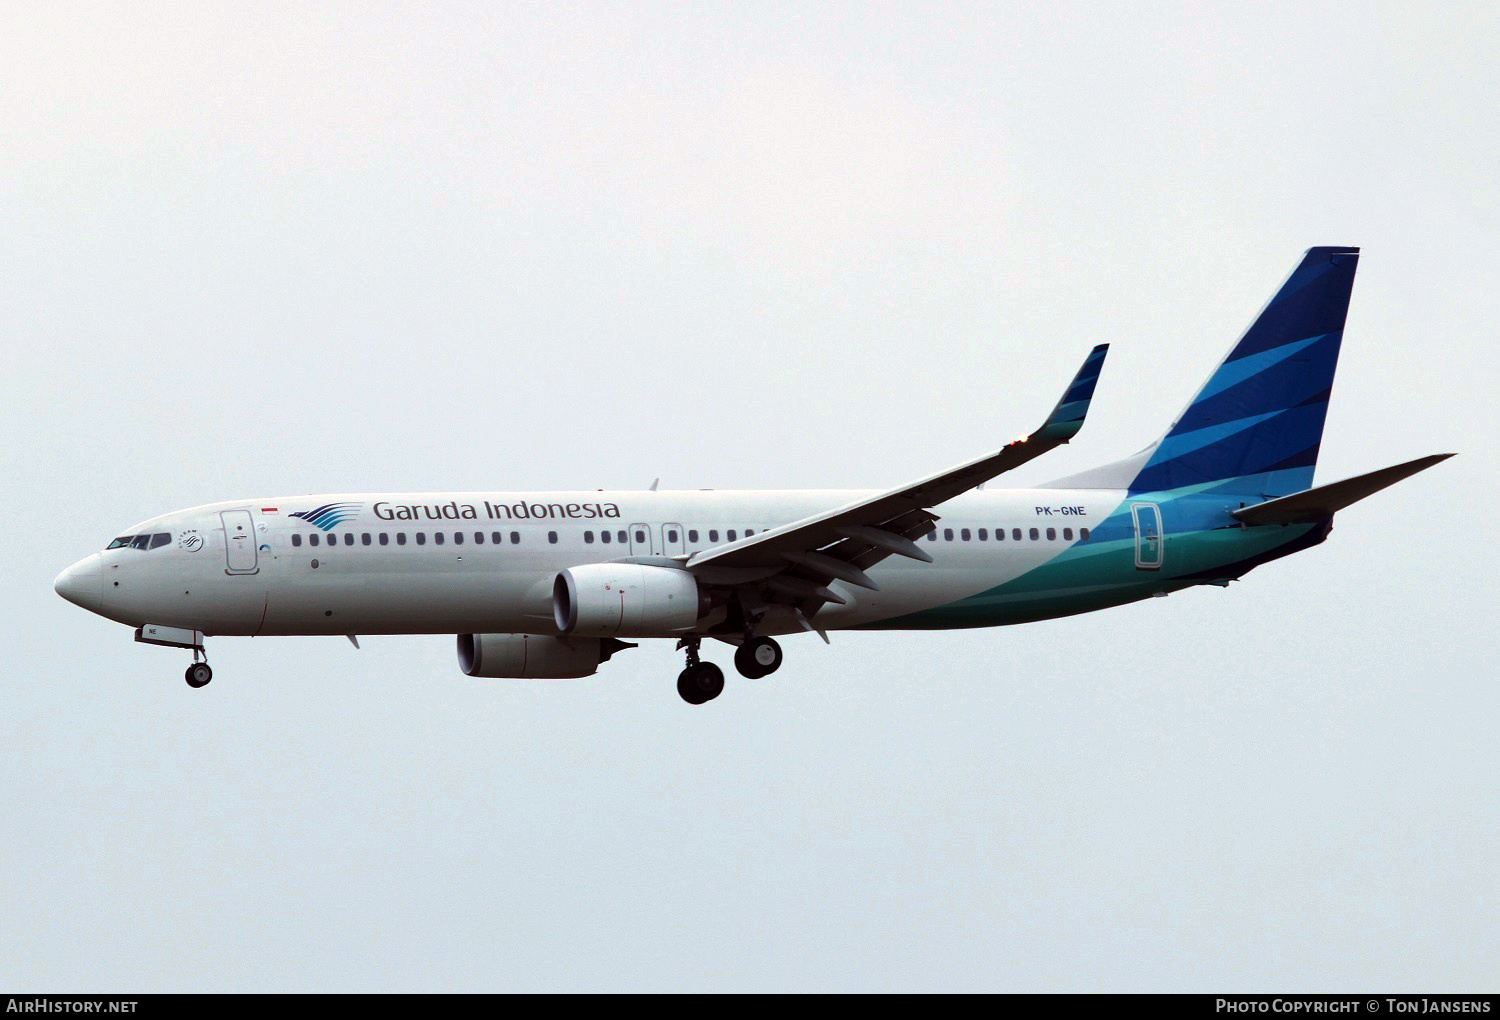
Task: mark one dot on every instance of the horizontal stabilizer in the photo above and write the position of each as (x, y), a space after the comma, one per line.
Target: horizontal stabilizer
(1316, 504)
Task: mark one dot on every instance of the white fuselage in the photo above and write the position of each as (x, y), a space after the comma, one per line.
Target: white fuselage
(396, 563)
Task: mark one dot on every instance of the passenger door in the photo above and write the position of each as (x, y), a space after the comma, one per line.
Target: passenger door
(240, 555)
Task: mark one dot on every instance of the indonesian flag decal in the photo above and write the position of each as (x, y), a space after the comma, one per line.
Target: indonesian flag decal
(269, 510)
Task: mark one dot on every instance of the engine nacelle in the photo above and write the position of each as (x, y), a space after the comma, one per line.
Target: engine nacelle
(626, 600)
(533, 656)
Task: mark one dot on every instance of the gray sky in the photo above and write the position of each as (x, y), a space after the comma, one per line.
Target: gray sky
(272, 249)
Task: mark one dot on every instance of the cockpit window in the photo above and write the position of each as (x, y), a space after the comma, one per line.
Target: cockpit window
(155, 541)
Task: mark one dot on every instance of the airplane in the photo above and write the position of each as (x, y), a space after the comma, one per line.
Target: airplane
(550, 585)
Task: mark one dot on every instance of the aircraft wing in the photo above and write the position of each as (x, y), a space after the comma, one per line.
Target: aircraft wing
(798, 560)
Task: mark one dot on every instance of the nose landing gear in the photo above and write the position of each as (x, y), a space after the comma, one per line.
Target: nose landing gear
(198, 675)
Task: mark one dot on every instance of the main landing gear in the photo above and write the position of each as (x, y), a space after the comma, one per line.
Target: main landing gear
(702, 681)
(757, 657)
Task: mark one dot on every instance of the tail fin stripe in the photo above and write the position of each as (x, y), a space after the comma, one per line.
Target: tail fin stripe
(1250, 451)
(1249, 367)
(1186, 442)
(1314, 298)
(1282, 384)
(1301, 459)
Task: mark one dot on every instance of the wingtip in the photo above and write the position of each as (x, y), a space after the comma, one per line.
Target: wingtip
(1067, 417)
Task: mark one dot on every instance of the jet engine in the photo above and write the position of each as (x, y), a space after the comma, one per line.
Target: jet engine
(626, 600)
(533, 656)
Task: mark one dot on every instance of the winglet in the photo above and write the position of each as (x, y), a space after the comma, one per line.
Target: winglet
(1067, 417)
(888, 522)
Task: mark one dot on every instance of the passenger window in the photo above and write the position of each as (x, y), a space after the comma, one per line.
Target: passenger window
(733, 535)
(1035, 534)
(515, 538)
(964, 534)
(932, 535)
(296, 540)
(947, 534)
(458, 538)
(119, 543)
(421, 538)
(348, 538)
(1067, 534)
(385, 539)
(999, 534)
(692, 535)
(588, 538)
(713, 534)
(312, 539)
(1015, 533)
(552, 537)
(640, 538)
(748, 532)
(496, 538)
(364, 538)
(984, 535)
(479, 538)
(606, 537)
(437, 538)
(1052, 534)
(1083, 533)
(400, 538)
(672, 535)
(621, 537)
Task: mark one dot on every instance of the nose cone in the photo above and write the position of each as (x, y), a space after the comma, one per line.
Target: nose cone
(83, 584)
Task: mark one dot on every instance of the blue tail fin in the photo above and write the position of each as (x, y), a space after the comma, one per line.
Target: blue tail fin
(1256, 425)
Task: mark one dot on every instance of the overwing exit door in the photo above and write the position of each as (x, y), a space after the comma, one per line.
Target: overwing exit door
(673, 542)
(640, 540)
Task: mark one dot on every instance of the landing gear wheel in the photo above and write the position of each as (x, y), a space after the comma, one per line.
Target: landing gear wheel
(198, 675)
(686, 689)
(700, 683)
(758, 657)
